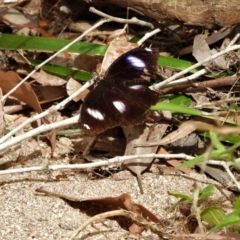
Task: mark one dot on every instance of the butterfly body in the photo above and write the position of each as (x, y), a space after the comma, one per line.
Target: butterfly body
(122, 98)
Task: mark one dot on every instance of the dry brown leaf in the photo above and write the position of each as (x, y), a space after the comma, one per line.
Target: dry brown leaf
(224, 130)
(118, 45)
(123, 201)
(220, 61)
(201, 51)
(182, 131)
(138, 136)
(46, 79)
(174, 162)
(25, 93)
(72, 86)
(87, 62)
(51, 93)
(51, 136)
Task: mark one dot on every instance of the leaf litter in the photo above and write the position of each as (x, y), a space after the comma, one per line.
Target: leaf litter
(26, 214)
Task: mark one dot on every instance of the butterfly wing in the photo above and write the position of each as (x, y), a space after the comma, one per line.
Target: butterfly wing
(97, 111)
(133, 65)
(114, 103)
(108, 106)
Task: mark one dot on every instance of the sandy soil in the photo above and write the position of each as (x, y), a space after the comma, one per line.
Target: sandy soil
(26, 214)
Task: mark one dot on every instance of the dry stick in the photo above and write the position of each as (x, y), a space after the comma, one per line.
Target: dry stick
(100, 217)
(38, 130)
(99, 163)
(148, 35)
(200, 86)
(177, 75)
(115, 160)
(63, 103)
(187, 79)
(154, 227)
(133, 20)
(234, 40)
(219, 102)
(54, 55)
(43, 114)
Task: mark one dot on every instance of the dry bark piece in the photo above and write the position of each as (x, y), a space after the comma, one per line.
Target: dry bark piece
(208, 13)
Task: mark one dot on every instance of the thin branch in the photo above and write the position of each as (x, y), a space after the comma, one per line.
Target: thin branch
(99, 163)
(177, 75)
(45, 113)
(38, 130)
(99, 218)
(187, 79)
(54, 55)
(148, 35)
(133, 20)
(115, 160)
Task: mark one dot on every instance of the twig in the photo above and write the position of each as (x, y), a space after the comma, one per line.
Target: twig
(133, 20)
(100, 217)
(108, 162)
(148, 35)
(45, 113)
(219, 102)
(234, 40)
(177, 75)
(94, 164)
(199, 86)
(54, 55)
(41, 129)
(187, 79)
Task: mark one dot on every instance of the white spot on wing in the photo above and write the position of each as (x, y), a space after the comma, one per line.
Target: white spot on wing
(95, 114)
(86, 126)
(120, 106)
(135, 62)
(136, 87)
(148, 49)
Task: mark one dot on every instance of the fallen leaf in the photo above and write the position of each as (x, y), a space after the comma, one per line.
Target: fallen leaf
(46, 79)
(138, 136)
(72, 86)
(25, 93)
(182, 131)
(123, 201)
(118, 45)
(174, 162)
(201, 51)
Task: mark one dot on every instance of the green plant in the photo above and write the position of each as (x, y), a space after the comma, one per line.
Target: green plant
(212, 215)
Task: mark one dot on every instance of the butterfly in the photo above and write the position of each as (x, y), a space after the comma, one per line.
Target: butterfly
(122, 97)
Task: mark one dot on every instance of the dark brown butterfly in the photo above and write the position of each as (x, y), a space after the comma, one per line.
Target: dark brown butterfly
(122, 97)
